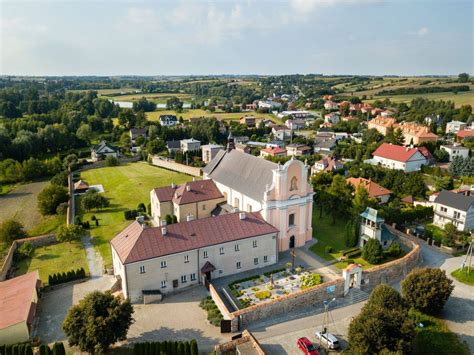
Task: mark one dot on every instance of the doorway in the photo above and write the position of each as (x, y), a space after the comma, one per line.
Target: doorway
(292, 242)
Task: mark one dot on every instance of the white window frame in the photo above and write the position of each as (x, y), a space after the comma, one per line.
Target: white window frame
(142, 269)
(255, 261)
(163, 284)
(237, 247)
(204, 254)
(193, 276)
(164, 264)
(265, 258)
(184, 279)
(186, 258)
(238, 265)
(255, 244)
(221, 251)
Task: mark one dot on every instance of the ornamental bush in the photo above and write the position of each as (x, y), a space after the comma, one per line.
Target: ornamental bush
(427, 290)
(310, 280)
(263, 294)
(372, 251)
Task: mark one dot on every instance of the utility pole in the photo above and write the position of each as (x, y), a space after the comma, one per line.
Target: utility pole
(468, 258)
(326, 318)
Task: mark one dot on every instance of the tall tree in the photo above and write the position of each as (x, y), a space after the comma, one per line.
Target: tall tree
(339, 197)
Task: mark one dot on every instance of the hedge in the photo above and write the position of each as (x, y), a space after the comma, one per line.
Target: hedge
(349, 251)
(27, 349)
(63, 277)
(171, 347)
(130, 214)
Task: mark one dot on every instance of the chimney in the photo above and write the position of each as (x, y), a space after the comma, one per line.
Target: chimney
(140, 219)
(163, 230)
(194, 179)
(189, 218)
(163, 223)
(242, 215)
(188, 188)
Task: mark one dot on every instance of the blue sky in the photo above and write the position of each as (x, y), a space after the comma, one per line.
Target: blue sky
(236, 37)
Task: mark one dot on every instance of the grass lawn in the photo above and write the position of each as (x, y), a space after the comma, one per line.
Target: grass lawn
(126, 186)
(155, 97)
(50, 259)
(190, 113)
(332, 235)
(6, 188)
(436, 338)
(463, 276)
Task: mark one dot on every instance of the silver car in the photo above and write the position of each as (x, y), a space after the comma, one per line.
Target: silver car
(328, 340)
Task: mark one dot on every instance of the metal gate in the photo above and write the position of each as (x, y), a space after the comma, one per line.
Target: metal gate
(226, 326)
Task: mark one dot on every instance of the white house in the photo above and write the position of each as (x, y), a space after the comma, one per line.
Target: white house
(209, 151)
(281, 132)
(151, 260)
(451, 207)
(295, 123)
(331, 105)
(393, 156)
(372, 227)
(332, 118)
(455, 150)
(269, 104)
(168, 120)
(103, 150)
(190, 145)
(455, 126)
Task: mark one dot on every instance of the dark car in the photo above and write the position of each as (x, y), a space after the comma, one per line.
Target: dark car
(307, 347)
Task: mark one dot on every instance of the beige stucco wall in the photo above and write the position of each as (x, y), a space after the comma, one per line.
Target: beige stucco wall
(176, 266)
(159, 210)
(16, 333)
(201, 209)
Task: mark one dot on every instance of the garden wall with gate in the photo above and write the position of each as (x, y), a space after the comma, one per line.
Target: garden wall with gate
(171, 165)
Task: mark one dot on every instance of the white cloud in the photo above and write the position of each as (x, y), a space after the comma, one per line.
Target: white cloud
(308, 6)
(423, 31)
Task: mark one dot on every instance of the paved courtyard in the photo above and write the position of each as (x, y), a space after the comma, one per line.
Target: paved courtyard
(177, 317)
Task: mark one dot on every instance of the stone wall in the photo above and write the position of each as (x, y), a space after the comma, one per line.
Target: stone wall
(291, 302)
(219, 303)
(36, 241)
(171, 165)
(103, 163)
(231, 346)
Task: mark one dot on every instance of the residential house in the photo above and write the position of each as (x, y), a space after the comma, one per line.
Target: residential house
(397, 157)
(374, 190)
(281, 192)
(382, 124)
(372, 227)
(330, 164)
(250, 107)
(269, 104)
(18, 305)
(464, 133)
(190, 145)
(415, 133)
(295, 123)
(137, 132)
(324, 145)
(455, 126)
(80, 187)
(332, 118)
(331, 105)
(296, 114)
(173, 146)
(103, 150)
(281, 132)
(209, 151)
(244, 148)
(241, 139)
(172, 257)
(191, 200)
(298, 150)
(387, 113)
(455, 150)
(455, 208)
(168, 120)
(249, 121)
(275, 143)
(273, 152)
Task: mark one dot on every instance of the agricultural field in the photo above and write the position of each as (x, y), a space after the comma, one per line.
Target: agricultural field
(459, 99)
(187, 114)
(53, 258)
(126, 186)
(159, 98)
(21, 204)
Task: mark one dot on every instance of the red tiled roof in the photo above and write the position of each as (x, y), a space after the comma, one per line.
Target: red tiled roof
(395, 152)
(80, 185)
(426, 153)
(374, 189)
(274, 150)
(408, 199)
(200, 190)
(164, 194)
(136, 243)
(16, 297)
(465, 133)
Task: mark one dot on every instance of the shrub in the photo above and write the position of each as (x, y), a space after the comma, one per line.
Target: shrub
(24, 251)
(141, 207)
(310, 280)
(58, 349)
(11, 230)
(394, 250)
(111, 161)
(93, 218)
(263, 294)
(50, 198)
(328, 249)
(63, 277)
(130, 214)
(372, 251)
(427, 290)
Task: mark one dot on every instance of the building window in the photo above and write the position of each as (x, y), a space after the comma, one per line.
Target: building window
(444, 209)
(255, 261)
(163, 284)
(142, 269)
(203, 207)
(186, 258)
(249, 208)
(184, 279)
(254, 244)
(291, 220)
(237, 247)
(205, 255)
(265, 259)
(163, 264)
(193, 277)
(221, 250)
(236, 202)
(238, 265)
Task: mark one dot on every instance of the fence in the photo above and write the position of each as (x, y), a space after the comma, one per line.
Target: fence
(171, 165)
(36, 241)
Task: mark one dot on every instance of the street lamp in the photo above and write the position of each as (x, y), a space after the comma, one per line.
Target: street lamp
(326, 317)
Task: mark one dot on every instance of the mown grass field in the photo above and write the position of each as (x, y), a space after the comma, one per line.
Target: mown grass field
(190, 113)
(464, 276)
(54, 258)
(126, 186)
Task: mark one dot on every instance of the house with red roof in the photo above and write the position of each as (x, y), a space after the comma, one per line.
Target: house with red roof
(394, 156)
(164, 259)
(273, 152)
(373, 189)
(464, 133)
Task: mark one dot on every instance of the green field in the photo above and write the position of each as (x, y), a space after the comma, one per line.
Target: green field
(159, 98)
(459, 99)
(55, 258)
(126, 186)
(190, 113)
(463, 276)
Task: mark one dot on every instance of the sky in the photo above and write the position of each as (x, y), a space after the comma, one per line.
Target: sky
(361, 37)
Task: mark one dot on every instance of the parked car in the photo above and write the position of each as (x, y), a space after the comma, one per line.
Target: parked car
(328, 340)
(307, 347)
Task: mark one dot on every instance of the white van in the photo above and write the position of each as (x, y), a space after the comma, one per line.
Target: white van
(328, 340)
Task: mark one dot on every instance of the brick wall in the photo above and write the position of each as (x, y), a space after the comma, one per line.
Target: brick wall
(36, 241)
(171, 165)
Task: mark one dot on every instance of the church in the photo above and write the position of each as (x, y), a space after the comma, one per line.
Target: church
(281, 193)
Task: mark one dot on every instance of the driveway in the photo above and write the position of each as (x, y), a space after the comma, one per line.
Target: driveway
(178, 317)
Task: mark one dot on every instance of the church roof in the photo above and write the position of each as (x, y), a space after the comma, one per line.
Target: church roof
(242, 172)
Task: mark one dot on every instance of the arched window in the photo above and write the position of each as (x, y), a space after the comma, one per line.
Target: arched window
(291, 220)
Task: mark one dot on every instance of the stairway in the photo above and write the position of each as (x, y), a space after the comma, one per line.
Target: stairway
(356, 295)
